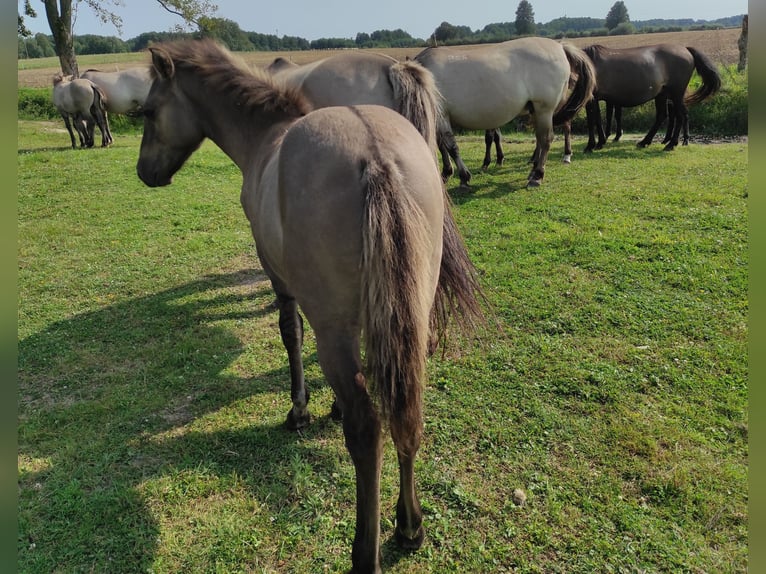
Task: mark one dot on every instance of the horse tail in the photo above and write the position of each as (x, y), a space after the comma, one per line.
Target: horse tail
(396, 295)
(99, 99)
(416, 96)
(582, 91)
(458, 292)
(711, 79)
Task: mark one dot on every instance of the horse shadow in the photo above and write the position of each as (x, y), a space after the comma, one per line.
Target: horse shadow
(101, 397)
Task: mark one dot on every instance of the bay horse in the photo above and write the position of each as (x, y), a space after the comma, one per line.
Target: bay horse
(348, 211)
(356, 78)
(629, 77)
(80, 101)
(487, 86)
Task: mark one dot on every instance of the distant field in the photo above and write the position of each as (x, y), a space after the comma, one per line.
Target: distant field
(720, 45)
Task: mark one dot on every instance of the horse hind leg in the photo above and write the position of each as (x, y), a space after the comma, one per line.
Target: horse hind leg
(291, 331)
(660, 104)
(447, 142)
(543, 137)
(338, 354)
(680, 120)
(409, 532)
(68, 125)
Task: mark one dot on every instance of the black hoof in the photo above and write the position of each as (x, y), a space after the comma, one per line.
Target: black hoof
(296, 422)
(408, 543)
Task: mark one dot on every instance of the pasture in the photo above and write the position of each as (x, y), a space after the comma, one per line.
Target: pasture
(610, 389)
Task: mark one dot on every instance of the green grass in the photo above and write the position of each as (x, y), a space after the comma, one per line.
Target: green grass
(153, 384)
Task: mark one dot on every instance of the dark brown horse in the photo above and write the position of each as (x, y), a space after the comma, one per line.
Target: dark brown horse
(351, 222)
(629, 77)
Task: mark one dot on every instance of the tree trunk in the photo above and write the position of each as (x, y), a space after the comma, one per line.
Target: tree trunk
(742, 45)
(61, 28)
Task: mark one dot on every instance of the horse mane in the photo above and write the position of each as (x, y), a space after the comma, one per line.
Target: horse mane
(595, 50)
(218, 68)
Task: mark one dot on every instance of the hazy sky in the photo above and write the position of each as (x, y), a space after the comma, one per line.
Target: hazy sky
(312, 19)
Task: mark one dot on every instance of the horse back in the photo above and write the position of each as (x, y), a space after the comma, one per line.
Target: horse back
(317, 186)
(632, 76)
(491, 84)
(344, 80)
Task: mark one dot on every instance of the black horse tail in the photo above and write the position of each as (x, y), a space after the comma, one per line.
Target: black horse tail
(417, 97)
(582, 91)
(711, 79)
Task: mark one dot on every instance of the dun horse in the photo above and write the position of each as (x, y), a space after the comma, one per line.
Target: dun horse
(355, 78)
(488, 86)
(348, 214)
(629, 77)
(125, 90)
(79, 101)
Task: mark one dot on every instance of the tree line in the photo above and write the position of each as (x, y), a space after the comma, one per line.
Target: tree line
(229, 33)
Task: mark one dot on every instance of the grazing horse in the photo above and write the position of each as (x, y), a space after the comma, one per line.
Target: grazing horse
(356, 78)
(348, 213)
(629, 77)
(487, 86)
(79, 101)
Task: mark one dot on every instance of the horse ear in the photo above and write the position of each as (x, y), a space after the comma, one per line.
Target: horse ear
(162, 63)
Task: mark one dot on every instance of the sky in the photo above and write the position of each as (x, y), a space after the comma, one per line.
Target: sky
(313, 19)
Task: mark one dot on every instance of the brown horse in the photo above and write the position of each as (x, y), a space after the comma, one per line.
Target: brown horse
(629, 77)
(349, 217)
(487, 86)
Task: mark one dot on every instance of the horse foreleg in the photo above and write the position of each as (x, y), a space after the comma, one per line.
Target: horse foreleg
(487, 149)
(567, 129)
(617, 123)
(660, 104)
(497, 138)
(591, 114)
(291, 330)
(68, 125)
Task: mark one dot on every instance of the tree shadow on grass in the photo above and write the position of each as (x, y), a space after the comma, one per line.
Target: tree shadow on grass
(96, 390)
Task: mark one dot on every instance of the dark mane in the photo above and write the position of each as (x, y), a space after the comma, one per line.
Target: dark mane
(219, 69)
(595, 50)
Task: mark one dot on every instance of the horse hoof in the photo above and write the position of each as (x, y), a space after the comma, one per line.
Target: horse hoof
(335, 413)
(297, 422)
(408, 543)
(567, 158)
(534, 183)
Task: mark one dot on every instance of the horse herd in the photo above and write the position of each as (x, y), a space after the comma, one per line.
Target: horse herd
(350, 216)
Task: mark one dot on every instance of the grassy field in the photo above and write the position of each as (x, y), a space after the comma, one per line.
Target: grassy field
(152, 382)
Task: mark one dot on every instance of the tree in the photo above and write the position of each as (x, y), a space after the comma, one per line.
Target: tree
(525, 18)
(59, 15)
(618, 14)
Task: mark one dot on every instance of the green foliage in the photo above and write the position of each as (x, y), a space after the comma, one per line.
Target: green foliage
(37, 104)
(525, 18)
(622, 29)
(618, 14)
